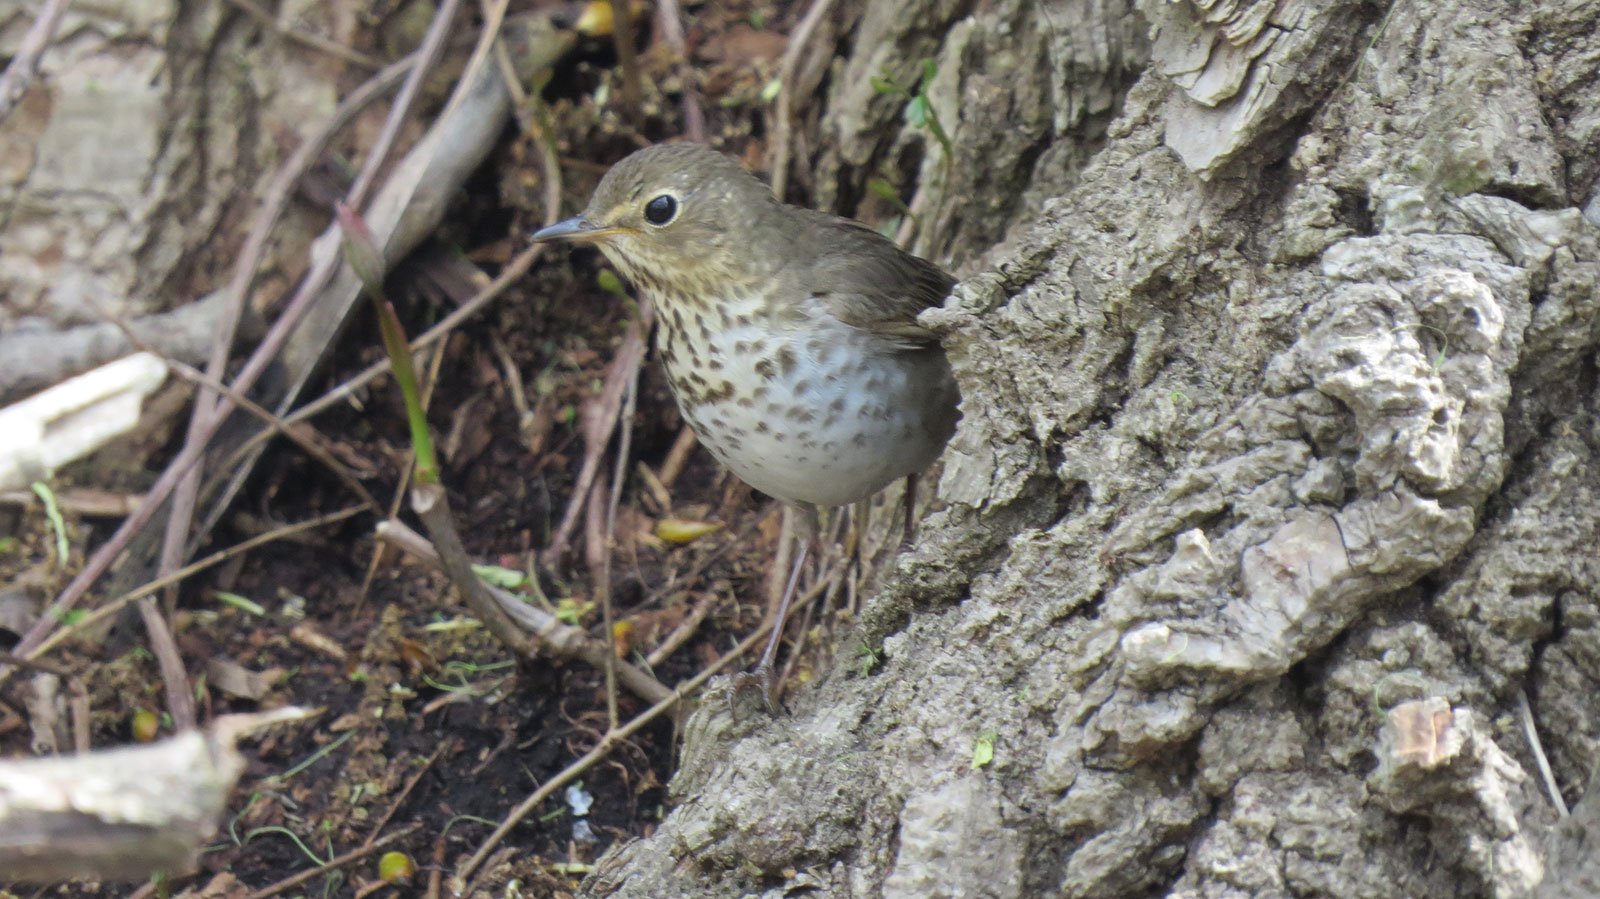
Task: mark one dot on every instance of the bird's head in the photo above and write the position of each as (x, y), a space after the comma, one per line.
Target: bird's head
(679, 220)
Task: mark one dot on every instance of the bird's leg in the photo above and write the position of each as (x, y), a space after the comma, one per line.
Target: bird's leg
(911, 511)
(762, 673)
(857, 546)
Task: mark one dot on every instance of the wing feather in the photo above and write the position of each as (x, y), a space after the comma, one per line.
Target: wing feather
(872, 283)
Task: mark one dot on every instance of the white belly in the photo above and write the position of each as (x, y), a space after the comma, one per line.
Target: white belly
(806, 421)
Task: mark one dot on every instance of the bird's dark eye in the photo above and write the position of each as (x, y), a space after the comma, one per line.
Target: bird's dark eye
(660, 210)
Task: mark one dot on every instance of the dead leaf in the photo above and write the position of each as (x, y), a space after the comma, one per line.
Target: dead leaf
(234, 679)
(743, 44)
(307, 635)
(678, 531)
(1421, 730)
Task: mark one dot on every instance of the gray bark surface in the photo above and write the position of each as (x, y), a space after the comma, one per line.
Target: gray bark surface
(1276, 482)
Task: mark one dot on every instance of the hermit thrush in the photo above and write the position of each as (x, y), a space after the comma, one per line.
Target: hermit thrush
(789, 336)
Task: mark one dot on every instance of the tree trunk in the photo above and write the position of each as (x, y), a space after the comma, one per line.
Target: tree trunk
(1276, 486)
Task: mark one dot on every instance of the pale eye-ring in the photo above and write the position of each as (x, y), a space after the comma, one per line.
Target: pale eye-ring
(661, 209)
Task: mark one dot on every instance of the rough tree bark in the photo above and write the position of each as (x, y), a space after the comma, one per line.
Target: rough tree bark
(1276, 484)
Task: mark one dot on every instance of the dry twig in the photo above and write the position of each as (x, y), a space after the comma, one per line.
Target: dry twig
(194, 449)
(108, 609)
(361, 852)
(678, 456)
(681, 634)
(600, 421)
(314, 41)
(1531, 731)
(560, 639)
(624, 444)
(669, 24)
(510, 275)
(24, 65)
(208, 411)
(622, 38)
(411, 784)
(784, 113)
(611, 739)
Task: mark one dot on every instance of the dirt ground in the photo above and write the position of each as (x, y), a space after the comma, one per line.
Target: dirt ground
(426, 722)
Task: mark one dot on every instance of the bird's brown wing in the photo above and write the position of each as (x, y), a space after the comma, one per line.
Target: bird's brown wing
(872, 284)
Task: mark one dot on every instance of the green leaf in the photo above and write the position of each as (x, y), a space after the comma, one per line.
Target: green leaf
(53, 512)
(983, 748)
(770, 92)
(571, 611)
(929, 70)
(405, 374)
(883, 84)
(242, 603)
(609, 282)
(869, 658)
(882, 188)
(917, 111)
(498, 576)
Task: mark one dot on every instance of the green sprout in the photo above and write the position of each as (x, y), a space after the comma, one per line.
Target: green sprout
(918, 111)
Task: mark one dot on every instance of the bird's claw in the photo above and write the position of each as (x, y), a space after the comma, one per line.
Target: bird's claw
(756, 679)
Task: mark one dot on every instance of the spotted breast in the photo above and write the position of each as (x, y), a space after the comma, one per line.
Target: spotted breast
(801, 405)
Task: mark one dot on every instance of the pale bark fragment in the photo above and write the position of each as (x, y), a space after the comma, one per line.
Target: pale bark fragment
(122, 814)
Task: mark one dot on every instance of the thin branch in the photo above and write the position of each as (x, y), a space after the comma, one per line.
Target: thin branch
(544, 134)
(678, 456)
(194, 450)
(83, 501)
(427, 56)
(25, 64)
(600, 423)
(174, 676)
(354, 855)
(681, 634)
(606, 744)
(494, 14)
(787, 71)
(314, 41)
(309, 446)
(560, 639)
(106, 610)
(1532, 733)
(669, 24)
(510, 275)
(619, 476)
(622, 38)
(273, 205)
(411, 784)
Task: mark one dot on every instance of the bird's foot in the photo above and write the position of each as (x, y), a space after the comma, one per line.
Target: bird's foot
(748, 685)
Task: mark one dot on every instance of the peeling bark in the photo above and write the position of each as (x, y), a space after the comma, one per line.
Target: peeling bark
(1279, 418)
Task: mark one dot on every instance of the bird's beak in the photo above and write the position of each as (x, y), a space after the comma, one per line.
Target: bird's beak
(575, 228)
